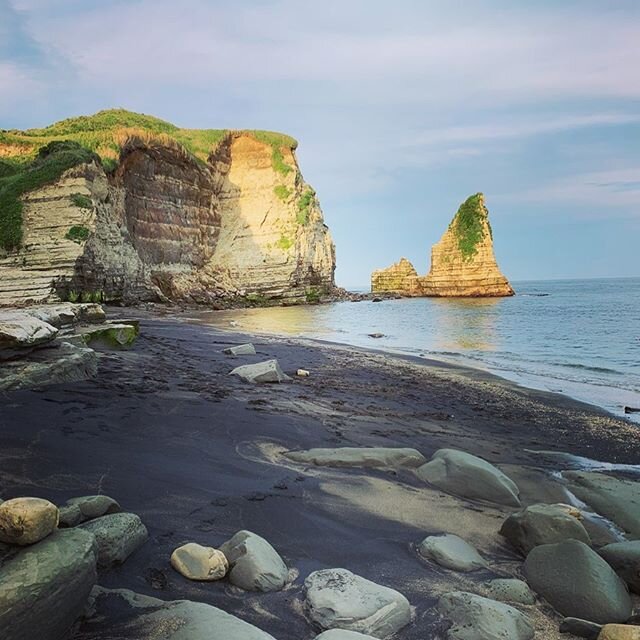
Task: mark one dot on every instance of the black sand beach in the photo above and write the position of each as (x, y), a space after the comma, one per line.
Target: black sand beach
(197, 454)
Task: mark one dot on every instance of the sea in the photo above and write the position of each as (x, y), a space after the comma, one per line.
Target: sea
(580, 338)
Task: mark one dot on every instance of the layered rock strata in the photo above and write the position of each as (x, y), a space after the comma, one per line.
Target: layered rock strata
(463, 263)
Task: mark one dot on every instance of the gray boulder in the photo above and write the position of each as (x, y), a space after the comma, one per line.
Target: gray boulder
(24, 521)
(468, 476)
(581, 628)
(240, 350)
(196, 562)
(542, 524)
(341, 634)
(21, 331)
(577, 582)
(367, 457)
(117, 535)
(510, 590)
(125, 614)
(478, 618)
(337, 598)
(452, 552)
(624, 557)
(268, 371)
(44, 588)
(78, 510)
(255, 564)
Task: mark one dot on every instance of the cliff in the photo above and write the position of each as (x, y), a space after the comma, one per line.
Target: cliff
(463, 263)
(120, 206)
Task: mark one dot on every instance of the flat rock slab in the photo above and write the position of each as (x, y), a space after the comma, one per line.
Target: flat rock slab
(117, 535)
(339, 599)
(196, 562)
(268, 371)
(510, 590)
(365, 457)
(577, 582)
(68, 313)
(78, 510)
(22, 332)
(468, 476)
(240, 350)
(478, 618)
(124, 614)
(452, 552)
(44, 587)
(255, 564)
(624, 557)
(24, 521)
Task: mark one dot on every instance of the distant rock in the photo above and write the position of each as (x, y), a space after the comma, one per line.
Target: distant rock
(577, 582)
(542, 524)
(624, 557)
(366, 457)
(451, 552)
(78, 510)
(337, 598)
(393, 279)
(468, 476)
(196, 562)
(24, 521)
(268, 371)
(255, 564)
(510, 590)
(478, 618)
(240, 350)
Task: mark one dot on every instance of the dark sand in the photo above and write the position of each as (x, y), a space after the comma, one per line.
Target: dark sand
(196, 454)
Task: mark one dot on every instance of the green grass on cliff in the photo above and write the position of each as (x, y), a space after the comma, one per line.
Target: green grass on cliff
(49, 164)
(468, 226)
(304, 205)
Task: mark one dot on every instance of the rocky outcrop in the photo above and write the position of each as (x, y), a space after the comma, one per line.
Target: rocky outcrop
(463, 263)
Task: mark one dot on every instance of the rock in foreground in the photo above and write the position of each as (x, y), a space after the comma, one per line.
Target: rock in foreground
(337, 598)
(196, 562)
(268, 371)
(619, 632)
(78, 510)
(366, 457)
(24, 521)
(452, 552)
(510, 590)
(624, 557)
(577, 582)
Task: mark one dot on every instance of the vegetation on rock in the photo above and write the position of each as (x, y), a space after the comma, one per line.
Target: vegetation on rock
(77, 233)
(468, 225)
(284, 242)
(81, 201)
(282, 192)
(304, 204)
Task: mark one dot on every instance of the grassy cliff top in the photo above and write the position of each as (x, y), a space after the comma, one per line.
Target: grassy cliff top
(106, 131)
(470, 224)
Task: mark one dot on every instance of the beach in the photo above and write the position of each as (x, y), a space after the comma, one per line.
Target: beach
(197, 454)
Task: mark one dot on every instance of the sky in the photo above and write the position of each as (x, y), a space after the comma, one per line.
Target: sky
(402, 109)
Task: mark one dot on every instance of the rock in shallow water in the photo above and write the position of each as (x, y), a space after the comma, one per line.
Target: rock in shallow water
(24, 521)
(255, 564)
(452, 552)
(366, 457)
(44, 588)
(624, 557)
(466, 475)
(240, 350)
(478, 618)
(577, 582)
(337, 598)
(196, 562)
(268, 371)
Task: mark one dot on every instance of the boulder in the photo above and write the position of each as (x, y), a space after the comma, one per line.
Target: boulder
(117, 535)
(78, 510)
(542, 524)
(510, 590)
(44, 588)
(57, 315)
(122, 613)
(577, 582)
(478, 618)
(196, 562)
(240, 350)
(22, 332)
(337, 598)
(468, 476)
(25, 521)
(111, 335)
(581, 628)
(255, 564)
(268, 371)
(624, 557)
(452, 552)
(619, 632)
(367, 457)
(341, 634)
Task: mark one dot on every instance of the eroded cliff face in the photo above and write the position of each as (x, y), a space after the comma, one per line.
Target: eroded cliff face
(164, 225)
(463, 263)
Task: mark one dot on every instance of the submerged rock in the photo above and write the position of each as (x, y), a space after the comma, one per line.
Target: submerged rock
(268, 371)
(255, 564)
(542, 524)
(24, 521)
(78, 510)
(196, 562)
(337, 598)
(478, 618)
(44, 588)
(510, 590)
(452, 552)
(368, 457)
(240, 350)
(468, 476)
(624, 557)
(577, 582)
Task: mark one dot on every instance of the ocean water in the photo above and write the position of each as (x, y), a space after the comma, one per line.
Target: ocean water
(577, 337)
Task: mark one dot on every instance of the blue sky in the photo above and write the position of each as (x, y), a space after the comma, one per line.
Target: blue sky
(402, 109)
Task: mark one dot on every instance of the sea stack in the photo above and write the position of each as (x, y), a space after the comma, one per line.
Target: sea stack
(462, 262)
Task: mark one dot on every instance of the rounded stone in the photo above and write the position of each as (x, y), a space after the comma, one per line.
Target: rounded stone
(619, 632)
(25, 521)
(196, 562)
(624, 557)
(451, 552)
(510, 590)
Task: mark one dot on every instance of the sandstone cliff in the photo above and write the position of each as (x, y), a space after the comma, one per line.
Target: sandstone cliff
(201, 216)
(463, 263)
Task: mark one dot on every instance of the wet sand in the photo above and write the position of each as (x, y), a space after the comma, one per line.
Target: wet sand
(197, 454)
